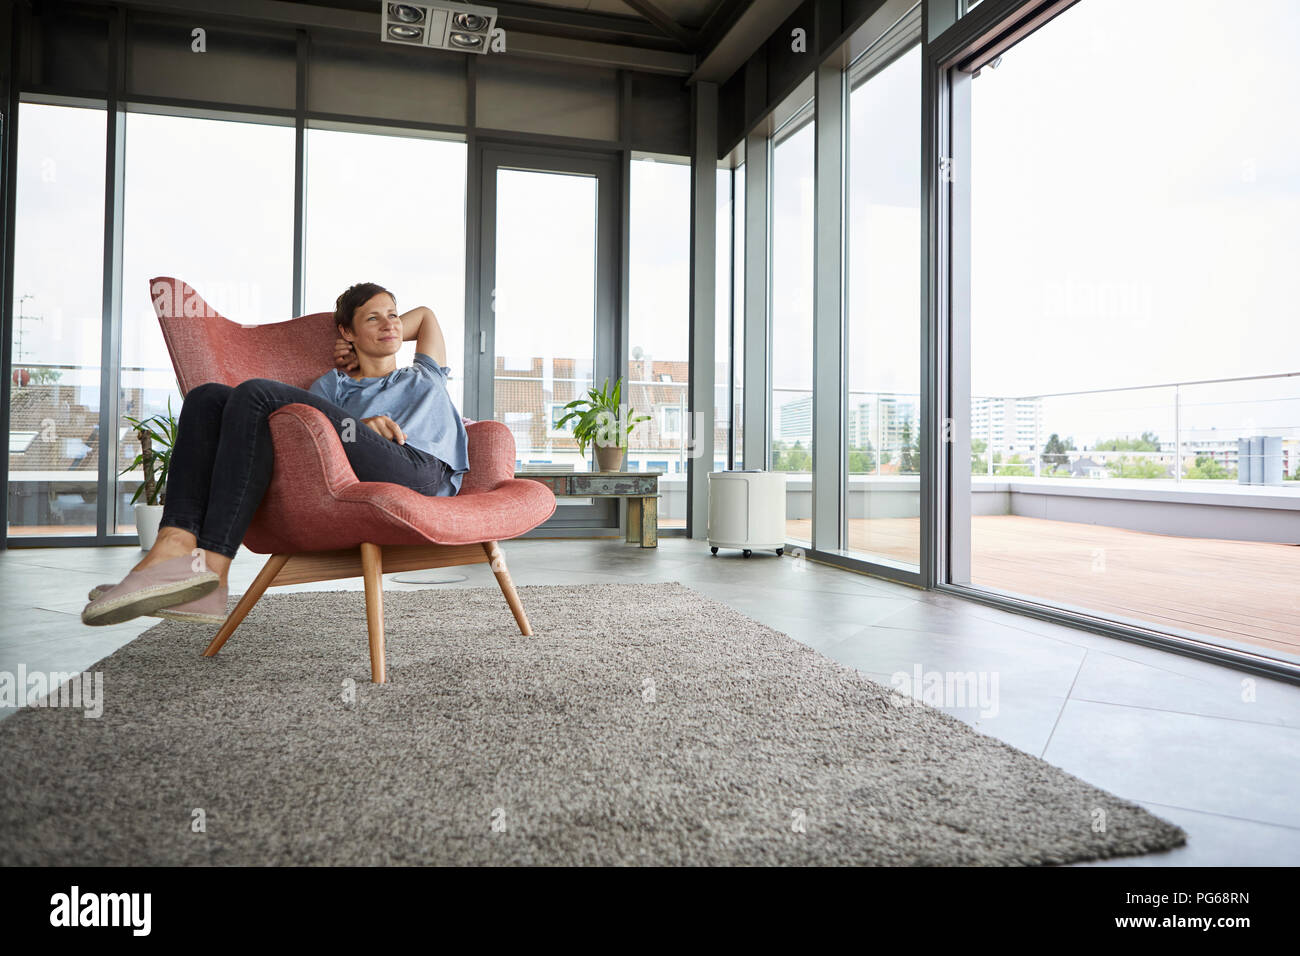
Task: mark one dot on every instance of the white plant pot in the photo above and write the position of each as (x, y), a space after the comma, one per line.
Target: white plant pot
(146, 524)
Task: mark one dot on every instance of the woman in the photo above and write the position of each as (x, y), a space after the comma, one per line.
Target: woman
(222, 460)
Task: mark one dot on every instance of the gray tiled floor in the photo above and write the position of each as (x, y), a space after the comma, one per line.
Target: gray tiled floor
(1206, 747)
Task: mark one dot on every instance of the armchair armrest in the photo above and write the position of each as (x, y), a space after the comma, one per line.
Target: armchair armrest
(491, 456)
(308, 449)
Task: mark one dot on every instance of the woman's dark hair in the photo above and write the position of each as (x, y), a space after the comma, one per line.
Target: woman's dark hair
(345, 307)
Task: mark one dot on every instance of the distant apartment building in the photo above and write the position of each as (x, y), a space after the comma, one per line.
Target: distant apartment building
(1013, 426)
(892, 414)
(795, 421)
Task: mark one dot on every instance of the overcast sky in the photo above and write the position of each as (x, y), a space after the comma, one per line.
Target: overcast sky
(1136, 189)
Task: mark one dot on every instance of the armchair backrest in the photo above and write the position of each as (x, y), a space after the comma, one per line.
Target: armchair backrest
(207, 347)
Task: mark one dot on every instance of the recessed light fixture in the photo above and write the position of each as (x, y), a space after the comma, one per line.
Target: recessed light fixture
(469, 21)
(465, 41)
(445, 25)
(405, 13)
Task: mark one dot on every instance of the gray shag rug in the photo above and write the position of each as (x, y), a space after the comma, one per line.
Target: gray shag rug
(640, 724)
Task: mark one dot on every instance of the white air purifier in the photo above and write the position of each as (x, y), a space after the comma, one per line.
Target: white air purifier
(747, 511)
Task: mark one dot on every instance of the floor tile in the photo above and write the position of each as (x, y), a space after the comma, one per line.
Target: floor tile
(1230, 767)
(1215, 840)
(1209, 690)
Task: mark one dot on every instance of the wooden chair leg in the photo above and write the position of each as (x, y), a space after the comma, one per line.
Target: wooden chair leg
(250, 598)
(372, 568)
(497, 560)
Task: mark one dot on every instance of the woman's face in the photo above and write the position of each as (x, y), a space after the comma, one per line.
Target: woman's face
(376, 327)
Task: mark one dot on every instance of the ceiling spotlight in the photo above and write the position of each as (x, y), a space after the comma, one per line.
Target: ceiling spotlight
(405, 13)
(468, 21)
(466, 41)
(441, 24)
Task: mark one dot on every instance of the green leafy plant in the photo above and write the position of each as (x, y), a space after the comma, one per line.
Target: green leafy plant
(1137, 467)
(598, 418)
(157, 435)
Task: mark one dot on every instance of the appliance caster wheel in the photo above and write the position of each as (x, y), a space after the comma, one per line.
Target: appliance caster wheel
(714, 550)
(780, 551)
(748, 552)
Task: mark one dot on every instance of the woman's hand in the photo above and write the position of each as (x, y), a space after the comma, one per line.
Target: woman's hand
(345, 356)
(386, 427)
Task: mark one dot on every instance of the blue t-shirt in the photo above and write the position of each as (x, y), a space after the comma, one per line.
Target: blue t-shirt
(416, 398)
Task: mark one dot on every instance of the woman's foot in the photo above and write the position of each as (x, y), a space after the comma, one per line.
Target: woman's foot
(151, 587)
(172, 542)
(209, 609)
(206, 610)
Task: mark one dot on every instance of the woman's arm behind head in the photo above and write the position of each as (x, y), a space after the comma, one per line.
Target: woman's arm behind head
(422, 325)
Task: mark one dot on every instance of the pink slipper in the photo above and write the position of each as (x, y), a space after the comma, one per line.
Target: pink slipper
(206, 610)
(160, 585)
(209, 609)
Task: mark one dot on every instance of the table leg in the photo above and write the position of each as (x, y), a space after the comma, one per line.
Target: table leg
(633, 521)
(650, 522)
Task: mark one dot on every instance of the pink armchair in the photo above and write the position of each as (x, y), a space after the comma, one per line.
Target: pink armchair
(318, 521)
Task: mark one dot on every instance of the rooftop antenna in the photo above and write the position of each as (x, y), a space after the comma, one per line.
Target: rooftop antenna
(19, 319)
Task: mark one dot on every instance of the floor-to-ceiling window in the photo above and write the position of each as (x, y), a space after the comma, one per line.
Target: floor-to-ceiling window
(54, 434)
(1134, 400)
(659, 351)
(791, 430)
(389, 209)
(209, 202)
(883, 290)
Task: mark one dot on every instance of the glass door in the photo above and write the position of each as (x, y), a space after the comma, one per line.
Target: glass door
(547, 310)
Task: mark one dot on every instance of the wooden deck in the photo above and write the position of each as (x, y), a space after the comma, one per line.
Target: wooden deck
(1244, 591)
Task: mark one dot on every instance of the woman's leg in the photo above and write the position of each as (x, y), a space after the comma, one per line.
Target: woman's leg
(189, 478)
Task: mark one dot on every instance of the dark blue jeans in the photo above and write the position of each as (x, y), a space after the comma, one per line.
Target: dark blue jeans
(222, 460)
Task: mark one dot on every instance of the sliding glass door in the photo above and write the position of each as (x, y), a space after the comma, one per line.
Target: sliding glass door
(791, 434)
(1133, 400)
(544, 330)
(659, 350)
(882, 422)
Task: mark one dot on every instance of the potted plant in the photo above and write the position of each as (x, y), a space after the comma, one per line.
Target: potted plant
(157, 435)
(599, 423)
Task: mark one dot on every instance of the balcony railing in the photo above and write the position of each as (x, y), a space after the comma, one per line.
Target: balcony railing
(1203, 426)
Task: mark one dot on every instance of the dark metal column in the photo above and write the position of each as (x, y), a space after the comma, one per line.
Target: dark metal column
(110, 362)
